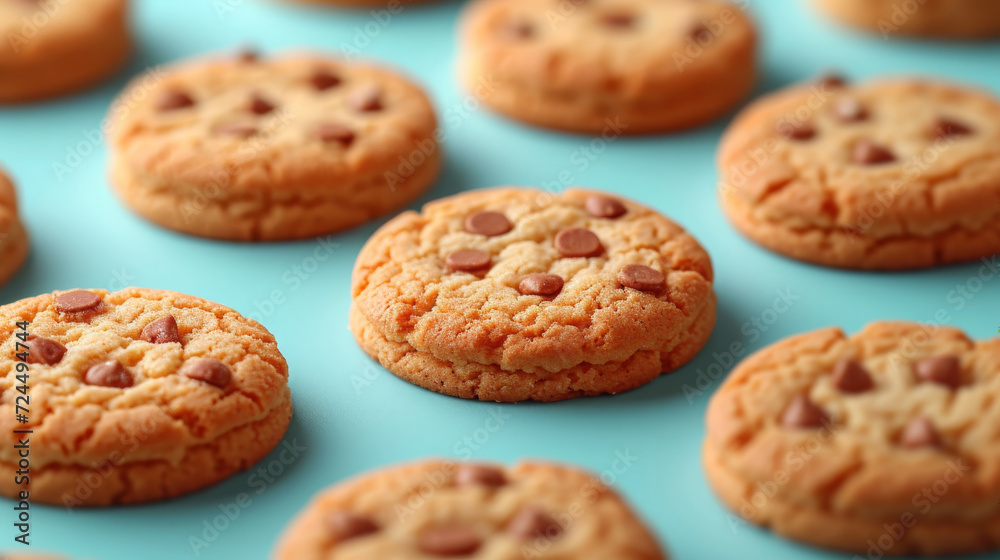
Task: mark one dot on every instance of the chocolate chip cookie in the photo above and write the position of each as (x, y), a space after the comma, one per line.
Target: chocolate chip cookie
(134, 396)
(515, 294)
(248, 148)
(886, 175)
(437, 509)
(609, 66)
(956, 19)
(52, 48)
(883, 443)
(13, 238)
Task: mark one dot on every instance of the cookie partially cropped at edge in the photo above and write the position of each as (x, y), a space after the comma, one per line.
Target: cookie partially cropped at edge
(256, 149)
(13, 237)
(136, 395)
(954, 19)
(393, 6)
(886, 442)
(893, 174)
(530, 510)
(56, 48)
(609, 66)
(512, 294)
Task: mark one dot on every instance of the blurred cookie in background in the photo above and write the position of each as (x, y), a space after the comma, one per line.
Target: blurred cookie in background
(13, 237)
(955, 19)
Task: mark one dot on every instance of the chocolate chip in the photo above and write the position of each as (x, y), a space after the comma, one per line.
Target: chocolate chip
(161, 331)
(77, 300)
(241, 130)
(943, 370)
(323, 80)
(44, 350)
(344, 525)
(920, 432)
(540, 285)
(532, 523)
(578, 242)
(469, 260)
(209, 370)
(831, 81)
(849, 110)
(642, 278)
(367, 100)
(618, 20)
(803, 413)
(604, 207)
(247, 56)
(174, 99)
(480, 475)
(800, 131)
(947, 128)
(700, 34)
(851, 377)
(259, 106)
(330, 133)
(487, 223)
(450, 541)
(870, 153)
(517, 30)
(108, 374)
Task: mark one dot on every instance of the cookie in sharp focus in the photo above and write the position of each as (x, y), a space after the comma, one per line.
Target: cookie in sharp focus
(882, 443)
(13, 238)
(513, 294)
(439, 509)
(890, 174)
(137, 395)
(608, 66)
(56, 48)
(954, 19)
(254, 149)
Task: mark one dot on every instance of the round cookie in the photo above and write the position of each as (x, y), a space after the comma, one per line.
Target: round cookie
(887, 175)
(956, 19)
(136, 395)
(51, 48)
(267, 149)
(886, 442)
(513, 294)
(13, 238)
(609, 66)
(437, 509)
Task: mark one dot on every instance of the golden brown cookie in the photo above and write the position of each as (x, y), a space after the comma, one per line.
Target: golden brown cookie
(134, 396)
(885, 175)
(244, 148)
(514, 294)
(883, 443)
(438, 509)
(52, 48)
(13, 238)
(957, 19)
(609, 66)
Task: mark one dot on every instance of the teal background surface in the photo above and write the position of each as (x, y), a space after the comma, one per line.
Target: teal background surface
(350, 414)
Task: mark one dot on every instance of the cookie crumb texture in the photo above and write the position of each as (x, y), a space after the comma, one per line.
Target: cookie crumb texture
(890, 436)
(255, 149)
(438, 509)
(956, 19)
(56, 48)
(545, 298)
(887, 175)
(13, 237)
(118, 419)
(609, 66)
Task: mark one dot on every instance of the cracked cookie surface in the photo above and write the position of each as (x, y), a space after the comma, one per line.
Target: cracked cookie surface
(13, 237)
(137, 395)
(436, 509)
(887, 175)
(249, 148)
(513, 294)
(890, 436)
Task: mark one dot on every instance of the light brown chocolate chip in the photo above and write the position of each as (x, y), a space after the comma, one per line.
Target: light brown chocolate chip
(540, 285)
(517, 30)
(943, 370)
(344, 525)
(233, 129)
(642, 278)
(335, 133)
(259, 106)
(700, 34)
(870, 153)
(449, 541)
(161, 331)
(851, 377)
(469, 260)
(209, 370)
(480, 475)
(803, 413)
(108, 374)
(604, 207)
(920, 432)
(578, 242)
(247, 56)
(367, 100)
(947, 128)
(173, 99)
(532, 523)
(831, 81)
(489, 224)
(44, 351)
(618, 20)
(800, 132)
(76, 301)
(848, 110)
(323, 80)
